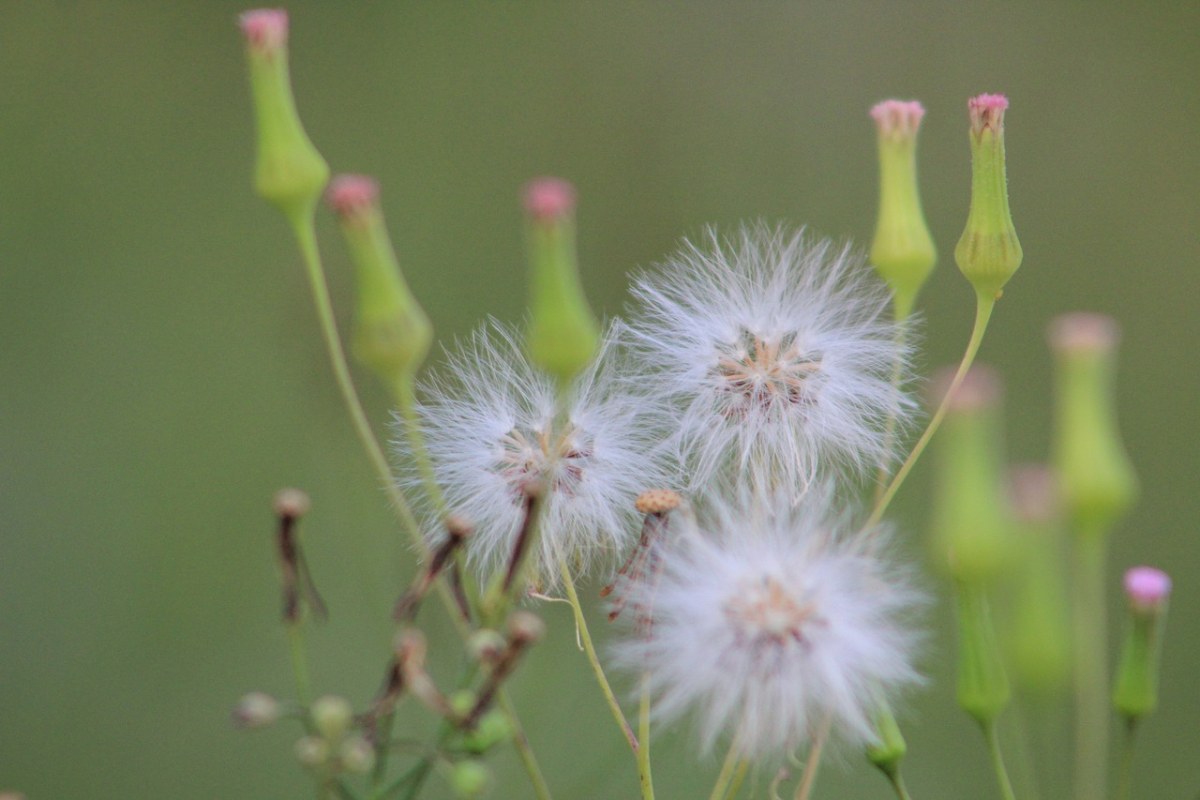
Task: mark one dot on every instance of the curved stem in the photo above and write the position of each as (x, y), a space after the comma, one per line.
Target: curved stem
(643, 754)
(1091, 673)
(993, 744)
(983, 313)
(898, 784)
(590, 649)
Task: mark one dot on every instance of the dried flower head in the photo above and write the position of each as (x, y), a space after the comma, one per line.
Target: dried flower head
(494, 436)
(777, 353)
(773, 620)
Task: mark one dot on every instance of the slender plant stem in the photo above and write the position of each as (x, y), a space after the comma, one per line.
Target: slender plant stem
(1091, 673)
(1125, 769)
(983, 313)
(406, 399)
(645, 777)
(295, 634)
(590, 649)
(524, 752)
(993, 745)
(305, 231)
(898, 785)
(889, 430)
(383, 748)
(728, 767)
(739, 777)
(813, 763)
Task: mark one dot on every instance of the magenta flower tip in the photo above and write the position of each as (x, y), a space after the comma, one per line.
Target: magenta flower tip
(987, 111)
(1083, 331)
(898, 117)
(351, 194)
(265, 28)
(1147, 587)
(549, 198)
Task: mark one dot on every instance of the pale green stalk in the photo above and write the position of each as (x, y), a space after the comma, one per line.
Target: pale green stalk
(1091, 673)
(898, 785)
(729, 766)
(813, 763)
(406, 399)
(643, 755)
(295, 634)
(1125, 769)
(997, 757)
(983, 313)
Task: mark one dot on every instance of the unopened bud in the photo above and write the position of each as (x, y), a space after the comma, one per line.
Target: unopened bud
(525, 628)
(255, 710)
(486, 646)
(462, 702)
(492, 729)
(988, 252)
(889, 747)
(331, 716)
(563, 334)
(291, 503)
(356, 755)
(972, 539)
(469, 779)
(392, 333)
(983, 689)
(289, 171)
(312, 751)
(657, 501)
(1097, 480)
(1135, 692)
(902, 252)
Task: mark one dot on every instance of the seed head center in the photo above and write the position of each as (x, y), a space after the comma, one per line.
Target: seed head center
(764, 371)
(532, 454)
(767, 613)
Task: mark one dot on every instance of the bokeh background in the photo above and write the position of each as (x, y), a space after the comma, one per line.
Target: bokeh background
(161, 374)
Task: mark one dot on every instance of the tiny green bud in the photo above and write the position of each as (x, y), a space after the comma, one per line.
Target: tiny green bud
(461, 702)
(256, 710)
(563, 334)
(356, 755)
(492, 729)
(289, 171)
(1135, 693)
(983, 689)
(312, 751)
(332, 716)
(988, 252)
(889, 747)
(1097, 479)
(469, 779)
(972, 538)
(392, 334)
(902, 252)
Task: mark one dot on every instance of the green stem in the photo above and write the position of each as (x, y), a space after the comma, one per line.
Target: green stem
(590, 649)
(406, 399)
(993, 744)
(295, 634)
(643, 754)
(306, 237)
(1125, 770)
(524, 752)
(813, 763)
(983, 313)
(898, 785)
(728, 767)
(383, 748)
(889, 430)
(739, 777)
(1091, 673)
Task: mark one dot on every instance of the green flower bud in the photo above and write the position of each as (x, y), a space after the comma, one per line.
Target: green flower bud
(902, 252)
(289, 171)
(972, 535)
(331, 716)
(392, 334)
(889, 748)
(988, 252)
(983, 689)
(1039, 628)
(356, 755)
(312, 751)
(469, 779)
(1136, 689)
(1097, 479)
(492, 729)
(563, 334)
(462, 701)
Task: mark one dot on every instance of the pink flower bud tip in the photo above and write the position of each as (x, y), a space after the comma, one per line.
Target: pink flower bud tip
(987, 111)
(1147, 587)
(265, 28)
(898, 117)
(548, 199)
(1083, 332)
(349, 195)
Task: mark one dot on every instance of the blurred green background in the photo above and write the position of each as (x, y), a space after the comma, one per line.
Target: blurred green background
(163, 375)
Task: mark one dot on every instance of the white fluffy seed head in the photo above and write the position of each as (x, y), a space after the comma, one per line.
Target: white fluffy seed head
(490, 424)
(778, 353)
(772, 619)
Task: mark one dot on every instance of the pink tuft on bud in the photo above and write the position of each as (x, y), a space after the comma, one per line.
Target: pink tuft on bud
(898, 118)
(987, 112)
(1083, 332)
(350, 195)
(1147, 587)
(265, 28)
(549, 199)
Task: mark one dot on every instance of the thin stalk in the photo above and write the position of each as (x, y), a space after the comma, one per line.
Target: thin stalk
(983, 313)
(1125, 769)
(643, 754)
(406, 399)
(524, 752)
(728, 767)
(993, 744)
(813, 763)
(295, 634)
(1091, 673)
(383, 749)
(889, 431)
(590, 649)
(898, 785)
(739, 777)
